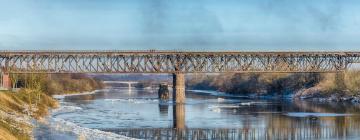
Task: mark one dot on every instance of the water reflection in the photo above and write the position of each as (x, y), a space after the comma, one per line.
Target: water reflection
(179, 116)
(163, 109)
(207, 116)
(236, 134)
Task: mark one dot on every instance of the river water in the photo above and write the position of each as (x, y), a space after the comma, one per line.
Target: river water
(139, 114)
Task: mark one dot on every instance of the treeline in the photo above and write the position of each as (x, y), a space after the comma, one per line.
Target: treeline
(56, 83)
(278, 83)
(71, 83)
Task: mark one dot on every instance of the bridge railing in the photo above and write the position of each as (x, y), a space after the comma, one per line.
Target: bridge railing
(172, 62)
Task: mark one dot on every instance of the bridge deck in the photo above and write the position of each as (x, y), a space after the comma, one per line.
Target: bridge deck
(173, 61)
(133, 52)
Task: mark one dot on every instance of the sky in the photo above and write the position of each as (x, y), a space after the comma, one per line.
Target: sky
(183, 25)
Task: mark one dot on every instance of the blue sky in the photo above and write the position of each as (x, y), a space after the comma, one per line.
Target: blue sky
(212, 25)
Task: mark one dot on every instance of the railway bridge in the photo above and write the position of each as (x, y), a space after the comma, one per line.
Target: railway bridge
(177, 63)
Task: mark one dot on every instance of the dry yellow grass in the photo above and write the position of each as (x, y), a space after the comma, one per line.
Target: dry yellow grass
(328, 82)
(16, 103)
(6, 135)
(32, 100)
(352, 81)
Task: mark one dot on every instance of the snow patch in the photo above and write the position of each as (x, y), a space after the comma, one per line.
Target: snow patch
(65, 109)
(220, 99)
(217, 108)
(252, 103)
(307, 114)
(77, 94)
(87, 133)
(135, 101)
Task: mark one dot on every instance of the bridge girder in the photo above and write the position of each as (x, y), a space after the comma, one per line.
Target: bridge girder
(173, 62)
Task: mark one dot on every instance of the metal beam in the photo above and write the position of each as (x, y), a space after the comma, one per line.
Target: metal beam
(174, 61)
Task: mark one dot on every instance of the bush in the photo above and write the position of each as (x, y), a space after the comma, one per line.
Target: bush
(352, 81)
(70, 83)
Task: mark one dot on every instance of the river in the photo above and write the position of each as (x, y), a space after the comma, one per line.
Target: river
(139, 114)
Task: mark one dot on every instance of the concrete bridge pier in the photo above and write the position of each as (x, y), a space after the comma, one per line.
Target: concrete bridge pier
(179, 99)
(179, 88)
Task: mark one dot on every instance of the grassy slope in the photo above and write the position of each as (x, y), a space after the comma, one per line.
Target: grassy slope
(18, 104)
(34, 100)
(328, 84)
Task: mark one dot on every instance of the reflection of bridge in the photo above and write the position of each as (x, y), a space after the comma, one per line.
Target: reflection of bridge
(177, 63)
(240, 134)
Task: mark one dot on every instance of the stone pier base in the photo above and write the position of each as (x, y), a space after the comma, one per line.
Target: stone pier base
(163, 92)
(179, 88)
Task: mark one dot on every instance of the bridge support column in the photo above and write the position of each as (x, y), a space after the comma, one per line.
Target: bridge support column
(5, 80)
(179, 88)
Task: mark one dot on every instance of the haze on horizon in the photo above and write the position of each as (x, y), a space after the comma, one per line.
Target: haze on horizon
(212, 25)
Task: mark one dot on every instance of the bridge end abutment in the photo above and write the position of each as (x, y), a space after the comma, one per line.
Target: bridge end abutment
(5, 81)
(179, 88)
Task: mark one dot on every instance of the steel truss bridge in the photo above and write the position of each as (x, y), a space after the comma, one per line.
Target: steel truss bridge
(173, 61)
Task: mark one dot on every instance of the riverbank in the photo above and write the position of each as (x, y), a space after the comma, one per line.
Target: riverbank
(18, 119)
(18, 109)
(334, 87)
(316, 94)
